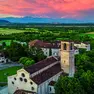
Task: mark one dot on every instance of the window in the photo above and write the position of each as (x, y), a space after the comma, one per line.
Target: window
(64, 61)
(31, 83)
(21, 79)
(50, 88)
(71, 46)
(32, 88)
(12, 82)
(2, 61)
(23, 75)
(14, 78)
(25, 80)
(65, 46)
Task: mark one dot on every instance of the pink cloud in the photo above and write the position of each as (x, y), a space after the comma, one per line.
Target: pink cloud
(56, 8)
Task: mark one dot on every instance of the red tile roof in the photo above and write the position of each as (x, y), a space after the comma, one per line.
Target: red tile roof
(47, 74)
(42, 44)
(41, 64)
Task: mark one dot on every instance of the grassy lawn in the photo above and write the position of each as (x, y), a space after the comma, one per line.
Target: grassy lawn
(8, 72)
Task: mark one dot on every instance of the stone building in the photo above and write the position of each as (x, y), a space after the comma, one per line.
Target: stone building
(41, 77)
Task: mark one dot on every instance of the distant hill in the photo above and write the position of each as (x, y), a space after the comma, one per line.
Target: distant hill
(30, 19)
(4, 22)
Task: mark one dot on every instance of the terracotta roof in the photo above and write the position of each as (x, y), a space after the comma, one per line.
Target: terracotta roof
(52, 83)
(36, 43)
(41, 64)
(23, 92)
(47, 74)
(39, 43)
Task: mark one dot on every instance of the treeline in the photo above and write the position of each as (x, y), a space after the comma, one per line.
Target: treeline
(50, 34)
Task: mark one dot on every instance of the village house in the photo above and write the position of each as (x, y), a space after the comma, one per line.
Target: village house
(50, 49)
(85, 45)
(41, 77)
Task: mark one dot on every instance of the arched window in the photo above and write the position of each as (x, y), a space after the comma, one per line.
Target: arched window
(32, 88)
(14, 78)
(23, 75)
(65, 46)
(21, 79)
(71, 46)
(31, 83)
(25, 80)
(12, 82)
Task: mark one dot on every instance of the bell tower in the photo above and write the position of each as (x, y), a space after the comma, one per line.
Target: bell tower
(67, 57)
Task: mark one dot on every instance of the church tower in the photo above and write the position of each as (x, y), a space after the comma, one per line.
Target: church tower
(67, 57)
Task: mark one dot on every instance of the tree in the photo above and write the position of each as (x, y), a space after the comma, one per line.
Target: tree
(82, 50)
(66, 85)
(4, 44)
(87, 81)
(26, 61)
(15, 51)
(36, 53)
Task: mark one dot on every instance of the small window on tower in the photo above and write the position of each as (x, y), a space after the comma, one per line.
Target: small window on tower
(71, 46)
(65, 46)
(64, 61)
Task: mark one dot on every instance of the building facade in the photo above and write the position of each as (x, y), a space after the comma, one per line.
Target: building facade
(85, 45)
(40, 77)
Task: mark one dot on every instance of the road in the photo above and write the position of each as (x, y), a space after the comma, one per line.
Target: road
(4, 66)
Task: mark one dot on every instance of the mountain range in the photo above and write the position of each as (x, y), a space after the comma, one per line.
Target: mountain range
(4, 22)
(30, 19)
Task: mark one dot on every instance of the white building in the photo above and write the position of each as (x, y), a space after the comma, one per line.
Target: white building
(41, 77)
(85, 45)
(50, 49)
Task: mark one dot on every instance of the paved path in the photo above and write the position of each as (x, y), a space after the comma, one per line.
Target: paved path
(4, 66)
(4, 90)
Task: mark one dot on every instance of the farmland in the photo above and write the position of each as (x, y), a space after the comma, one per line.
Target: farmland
(7, 31)
(8, 42)
(90, 34)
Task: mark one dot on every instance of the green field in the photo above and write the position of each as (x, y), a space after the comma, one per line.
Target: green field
(90, 34)
(11, 31)
(8, 72)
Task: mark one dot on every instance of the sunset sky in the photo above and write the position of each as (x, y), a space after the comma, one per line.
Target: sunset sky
(78, 9)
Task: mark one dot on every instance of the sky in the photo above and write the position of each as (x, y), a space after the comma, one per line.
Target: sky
(78, 9)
